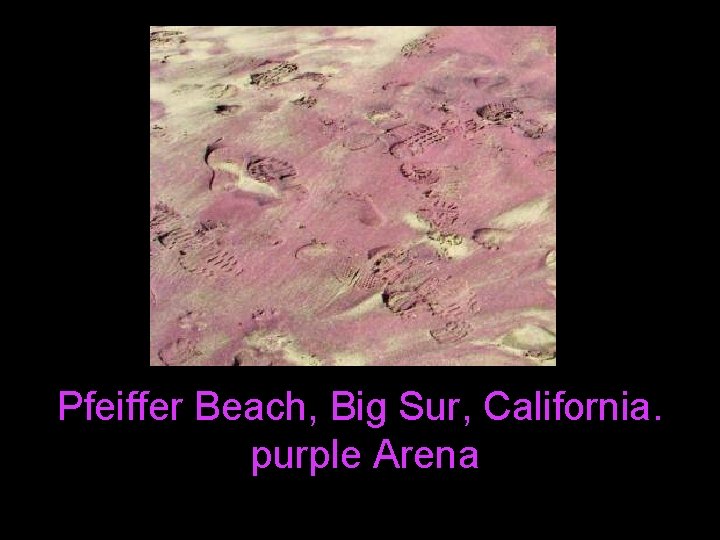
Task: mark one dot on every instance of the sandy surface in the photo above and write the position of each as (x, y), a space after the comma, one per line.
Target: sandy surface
(352, 195)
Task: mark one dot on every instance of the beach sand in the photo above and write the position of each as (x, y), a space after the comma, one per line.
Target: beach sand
(352, 196)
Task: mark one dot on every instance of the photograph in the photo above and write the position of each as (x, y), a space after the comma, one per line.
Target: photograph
(352, 195)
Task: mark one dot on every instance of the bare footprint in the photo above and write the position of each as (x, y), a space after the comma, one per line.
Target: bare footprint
(364, 208)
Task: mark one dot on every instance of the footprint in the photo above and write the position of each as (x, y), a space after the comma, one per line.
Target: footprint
(269, 169)
(313, 250)
(531, 128)
(209, 260)
(332, 127)
(383, 266)
(550, 260)
(227, 110)
(179, 352)
(383, 117)
(238, 179)
(490, 238)
(419, 175)
(470, 129)
(401, 302)
(192, 321)
(452, 127)
(452, 332)
(418, 47)
(441, 214)
(273, 76)
(163, 215)
(417, 139)
(448, 245)
(305, 101)
(546, 161)
(167, 39)
(359, 141)
(447, 297)
(389, 266)
(200, 251)
(314, 77)
(362, 207)
(441, 297)
(500, 114)
(348, 272)
(186, 88)
(264, 317)
(368, 213)
(273, 342)
(174, 238)
(168, 228)
(218, 91)
(404, 296)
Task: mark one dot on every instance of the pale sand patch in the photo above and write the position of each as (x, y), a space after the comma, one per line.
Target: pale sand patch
(535, 343)
(411, 338)
(521, 216)
(197, 50)
(548, 118)
(414, 222)
(351, 359)
(366, 306)
(277, 342)
(261, 41)
(531, 316)
(265, 42)
(539, 360)
(528, 337)
(546, 316)
(177, 103)
(380, 48)
(387, 41)
(312, 294)
(532, 342)
(208, 345)
(535, 45)
(551, 286)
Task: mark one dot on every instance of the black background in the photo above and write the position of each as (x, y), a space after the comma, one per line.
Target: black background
(614, 311)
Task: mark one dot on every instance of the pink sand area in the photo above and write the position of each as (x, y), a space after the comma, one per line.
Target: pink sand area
(352, 195)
